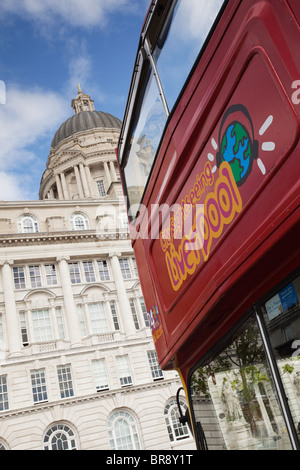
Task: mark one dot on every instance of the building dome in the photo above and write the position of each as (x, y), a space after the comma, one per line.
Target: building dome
(83, 121)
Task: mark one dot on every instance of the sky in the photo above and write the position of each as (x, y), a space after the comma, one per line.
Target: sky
(47, 47)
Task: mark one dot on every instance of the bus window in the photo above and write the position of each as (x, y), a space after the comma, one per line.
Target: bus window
(181, 40)
(149, 124)
(234, 398)
(281, 314)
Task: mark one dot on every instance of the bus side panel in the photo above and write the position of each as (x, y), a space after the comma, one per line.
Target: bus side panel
(237, 179)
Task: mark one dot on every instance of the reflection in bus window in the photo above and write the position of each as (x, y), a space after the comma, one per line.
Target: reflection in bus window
(149, 127)
(234, 397)
(180, 42)
(282, 318)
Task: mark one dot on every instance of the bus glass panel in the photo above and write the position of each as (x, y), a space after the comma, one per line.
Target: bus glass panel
(181, 40)
(149, 126)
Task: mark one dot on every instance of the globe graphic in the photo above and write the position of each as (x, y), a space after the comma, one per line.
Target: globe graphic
(236, 150)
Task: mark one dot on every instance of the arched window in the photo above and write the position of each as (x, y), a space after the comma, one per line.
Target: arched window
(122, 431)
(60, 437)
(27, 224)
(79, 221)
(176, 430)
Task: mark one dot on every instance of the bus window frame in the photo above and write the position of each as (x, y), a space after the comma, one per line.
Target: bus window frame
(137, 88)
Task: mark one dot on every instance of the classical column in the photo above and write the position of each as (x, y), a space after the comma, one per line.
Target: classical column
(64, 186)
(107, 174)
(89, 178)
(70, 307)
(78, 181)
(11, 313)
(84, 180)
(59, 187)
(122, 295)
(113, 171)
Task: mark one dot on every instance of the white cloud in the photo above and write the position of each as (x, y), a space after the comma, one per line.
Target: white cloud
(27, 117)
(74, 12)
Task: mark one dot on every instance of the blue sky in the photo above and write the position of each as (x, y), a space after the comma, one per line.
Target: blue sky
(47, 47)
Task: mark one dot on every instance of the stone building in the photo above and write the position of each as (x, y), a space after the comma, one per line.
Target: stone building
(78, 368)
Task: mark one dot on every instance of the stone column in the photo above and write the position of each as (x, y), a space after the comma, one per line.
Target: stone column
(78, 181)
(89, 179)
(59, 187)
(70, 307)
(125, 309)
(113, 171)
(64, 186)
(11, 313)
(84, 181)
(107, 175)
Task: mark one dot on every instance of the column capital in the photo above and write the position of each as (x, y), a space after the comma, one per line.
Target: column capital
(6, 261)
(114, 253)
(62, 258)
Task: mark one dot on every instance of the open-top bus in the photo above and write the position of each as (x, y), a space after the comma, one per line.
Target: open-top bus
(209, 157)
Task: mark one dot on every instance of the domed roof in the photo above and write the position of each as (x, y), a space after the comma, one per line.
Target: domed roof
(83, 121)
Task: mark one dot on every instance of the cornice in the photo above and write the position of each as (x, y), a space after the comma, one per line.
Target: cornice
(29, 239)
(103, 395)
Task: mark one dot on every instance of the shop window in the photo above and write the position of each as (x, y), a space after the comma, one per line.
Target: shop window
(234, 390)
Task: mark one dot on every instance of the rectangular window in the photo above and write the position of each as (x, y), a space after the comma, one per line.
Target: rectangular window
(103, 270)
(38, 383)
(89, 271)
(41, 325)
(134, 314)
(65, 381)
(124, 371)
(81, 320)
(23, 326)
(74, 273)
(60, 323)
(51, 277)
(156, 371)
(100, 374)
(144, 310)
(113, 310)
(3, 393)
(35, 276)
(101, 188)
(19, 277)
(135, 267)
(125, 268)
(98, 318)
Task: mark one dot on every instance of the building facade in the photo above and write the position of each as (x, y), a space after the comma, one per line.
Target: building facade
(78, 368)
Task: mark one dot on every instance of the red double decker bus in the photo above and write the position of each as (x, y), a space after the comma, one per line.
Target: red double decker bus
(209, 157)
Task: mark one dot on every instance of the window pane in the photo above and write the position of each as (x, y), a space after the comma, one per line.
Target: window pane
(156, 371)
(181, 41)
(124, 265)
(103, 270)
(38, 383)
(101, 188)
(89, 271)
(41, 325)
(35, 276)
(51, 277)
(114, 314)
(3, 393)
(282, 318)
(19, 277)
(149, 126)
(98, 318)
(124, 370)
(65, 381)
(100, 374)
(74, 273)
(234, 397)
